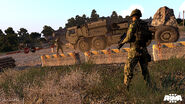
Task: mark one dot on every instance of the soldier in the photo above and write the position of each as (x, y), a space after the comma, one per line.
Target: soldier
(58, 44)
(138, 37)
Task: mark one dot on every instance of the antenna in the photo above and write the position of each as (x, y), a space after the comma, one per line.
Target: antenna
(183, 17)
(179, 15)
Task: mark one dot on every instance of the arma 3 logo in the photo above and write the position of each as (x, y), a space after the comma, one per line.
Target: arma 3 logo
(172, 98)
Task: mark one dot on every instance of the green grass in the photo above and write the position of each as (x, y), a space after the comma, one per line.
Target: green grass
(96, 83)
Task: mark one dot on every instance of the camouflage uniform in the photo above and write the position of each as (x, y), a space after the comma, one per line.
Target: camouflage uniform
(59, 45)
(138, 52)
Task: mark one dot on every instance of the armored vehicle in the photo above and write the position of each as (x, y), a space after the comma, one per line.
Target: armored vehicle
(101, 34)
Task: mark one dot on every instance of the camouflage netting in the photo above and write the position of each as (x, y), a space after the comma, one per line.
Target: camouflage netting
(164, 16)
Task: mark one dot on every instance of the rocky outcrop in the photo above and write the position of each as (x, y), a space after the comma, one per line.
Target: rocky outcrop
(164, 16)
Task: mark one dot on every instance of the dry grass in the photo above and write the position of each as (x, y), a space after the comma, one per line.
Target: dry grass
(91, 84)
(50, 88)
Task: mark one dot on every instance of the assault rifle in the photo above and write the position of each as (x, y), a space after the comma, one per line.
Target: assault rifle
(120, 44)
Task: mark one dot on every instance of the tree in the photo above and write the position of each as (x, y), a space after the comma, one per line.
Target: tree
(71, 22)
(10, 40)
(181, 24)
(80, 20)
(85, 18)
(5, 46)
(88, 20)
(120, 18)
(179, 20)
(1, 33)
(23, 35)
(9, 31)
(77, 21)
(34, 39)
(47, 31)
(22, 32)
(35, 35)
(60, 28)
(114, 17)
(150, 17)
(127, 18)
(43, 40)
(94, 16)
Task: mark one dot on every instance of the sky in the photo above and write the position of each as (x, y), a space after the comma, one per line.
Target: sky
(34, 14)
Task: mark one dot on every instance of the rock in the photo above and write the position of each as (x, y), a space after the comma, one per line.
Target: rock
(164, 16)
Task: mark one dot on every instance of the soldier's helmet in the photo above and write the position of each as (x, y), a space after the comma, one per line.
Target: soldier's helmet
(136, 12)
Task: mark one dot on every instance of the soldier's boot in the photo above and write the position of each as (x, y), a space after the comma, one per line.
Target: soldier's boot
(57, 54)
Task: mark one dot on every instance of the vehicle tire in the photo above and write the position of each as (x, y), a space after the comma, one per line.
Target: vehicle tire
(99, 43)
(33, 49)
(83, 45)
(166, 34)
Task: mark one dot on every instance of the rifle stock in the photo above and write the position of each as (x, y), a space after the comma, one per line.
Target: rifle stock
(121, 39)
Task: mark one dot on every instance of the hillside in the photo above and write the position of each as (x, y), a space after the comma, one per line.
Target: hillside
(92, 84)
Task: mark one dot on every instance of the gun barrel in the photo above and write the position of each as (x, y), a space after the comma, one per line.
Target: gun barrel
(122, 38)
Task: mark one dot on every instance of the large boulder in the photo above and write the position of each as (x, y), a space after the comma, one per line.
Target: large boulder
(164, 16)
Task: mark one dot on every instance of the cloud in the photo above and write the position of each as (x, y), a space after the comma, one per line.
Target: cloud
(129, 10)
(182, 7)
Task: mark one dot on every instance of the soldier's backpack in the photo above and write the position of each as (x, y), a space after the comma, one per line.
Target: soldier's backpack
(143, 33)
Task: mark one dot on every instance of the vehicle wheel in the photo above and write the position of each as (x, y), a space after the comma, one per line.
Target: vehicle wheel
(99, 43)
(165, 34)
(83, 45)
(33, 49)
